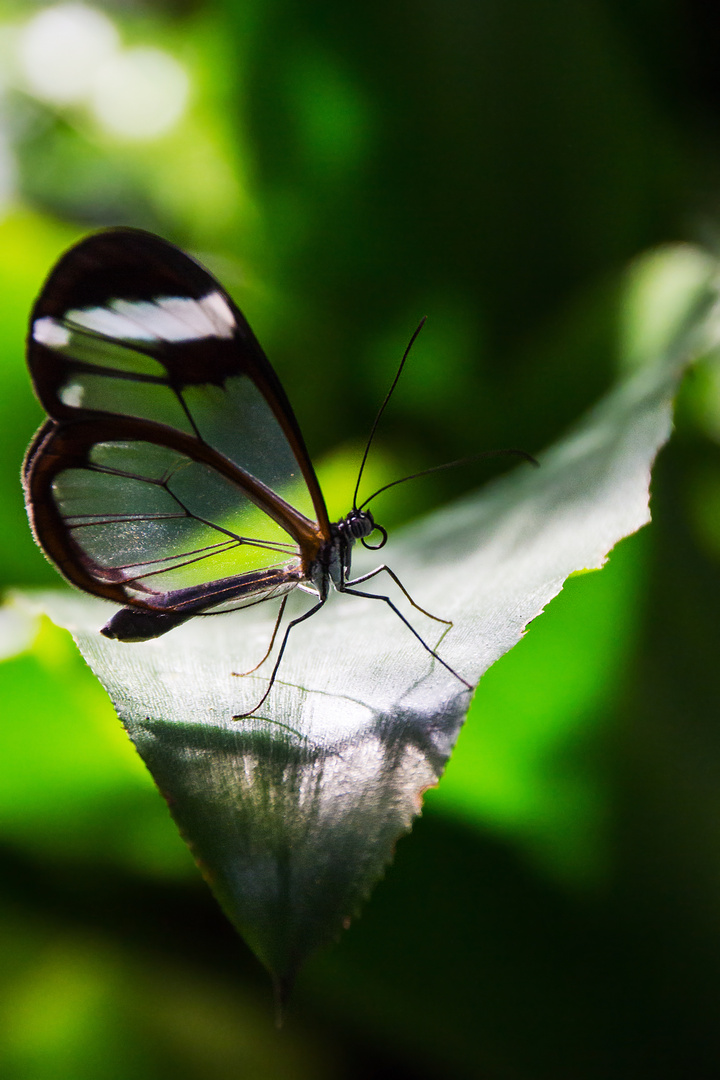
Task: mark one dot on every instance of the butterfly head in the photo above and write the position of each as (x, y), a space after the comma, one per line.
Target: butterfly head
(358, 525)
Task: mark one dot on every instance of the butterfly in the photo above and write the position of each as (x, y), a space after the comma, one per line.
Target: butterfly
(172, 476)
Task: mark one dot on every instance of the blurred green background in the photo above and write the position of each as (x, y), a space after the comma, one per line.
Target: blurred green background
(345, 170)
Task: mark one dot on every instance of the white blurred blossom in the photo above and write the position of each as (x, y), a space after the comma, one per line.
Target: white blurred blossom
(62, 49)
(140, 93)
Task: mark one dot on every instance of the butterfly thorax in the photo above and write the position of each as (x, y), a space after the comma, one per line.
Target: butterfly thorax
(335, 556)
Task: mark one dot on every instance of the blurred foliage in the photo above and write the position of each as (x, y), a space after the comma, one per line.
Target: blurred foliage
(346, 171)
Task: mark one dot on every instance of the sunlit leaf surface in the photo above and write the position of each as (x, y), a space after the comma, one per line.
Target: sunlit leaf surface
(293, 813)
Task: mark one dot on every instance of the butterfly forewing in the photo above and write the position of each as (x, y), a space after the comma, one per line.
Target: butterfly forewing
(129, 325)
(173, 473)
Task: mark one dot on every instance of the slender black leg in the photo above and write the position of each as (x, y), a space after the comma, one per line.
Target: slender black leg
(401, 587)
(281, 612)
(302, 618)
(388, 601)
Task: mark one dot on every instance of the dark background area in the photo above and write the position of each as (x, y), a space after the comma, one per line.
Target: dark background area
(345, 170)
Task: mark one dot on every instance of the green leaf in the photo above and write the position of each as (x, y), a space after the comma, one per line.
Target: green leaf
(293, 814)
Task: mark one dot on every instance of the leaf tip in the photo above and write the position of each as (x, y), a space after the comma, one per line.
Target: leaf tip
(282, 988)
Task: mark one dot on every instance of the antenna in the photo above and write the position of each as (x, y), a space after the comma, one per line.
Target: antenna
(381, 410)
(451, 465)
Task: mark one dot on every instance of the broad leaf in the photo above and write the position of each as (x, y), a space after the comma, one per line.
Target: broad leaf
(293, 814)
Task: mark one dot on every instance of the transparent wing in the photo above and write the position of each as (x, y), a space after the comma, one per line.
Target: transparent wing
(144, 523)
(128, 325)
(172, 475)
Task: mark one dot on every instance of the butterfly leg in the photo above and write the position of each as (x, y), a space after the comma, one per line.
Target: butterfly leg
(385, 568)
(411, 628)
(281, 612)
(401, 587)
(302, 618)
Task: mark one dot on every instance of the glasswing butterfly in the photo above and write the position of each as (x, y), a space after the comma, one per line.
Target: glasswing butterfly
(172, 476)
